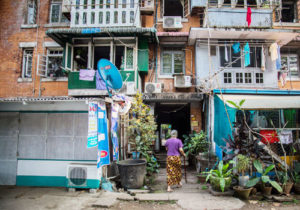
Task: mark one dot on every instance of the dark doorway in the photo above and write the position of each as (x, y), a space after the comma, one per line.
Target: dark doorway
(289, 11)
(177, 115)
(101, 52)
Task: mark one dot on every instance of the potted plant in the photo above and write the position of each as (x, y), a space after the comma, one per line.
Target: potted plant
(243, 163)
(220, 178)
(296, 178)
(196, 146)
(267, 183)
(285, 182)
(141, 133)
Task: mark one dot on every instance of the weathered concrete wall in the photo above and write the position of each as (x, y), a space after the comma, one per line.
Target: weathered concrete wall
(41, 135)
(9, 127)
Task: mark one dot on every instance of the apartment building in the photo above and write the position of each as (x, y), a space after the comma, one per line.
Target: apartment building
(185, 56)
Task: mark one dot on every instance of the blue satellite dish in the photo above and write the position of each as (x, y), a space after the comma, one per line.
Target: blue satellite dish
(110, 74)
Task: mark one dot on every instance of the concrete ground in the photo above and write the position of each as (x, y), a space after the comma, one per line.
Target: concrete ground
(191, 196)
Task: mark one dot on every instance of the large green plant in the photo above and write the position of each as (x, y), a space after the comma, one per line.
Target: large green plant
(243, 163)
(223, 171)
(264, 178)
(142, 126)
(195, 143)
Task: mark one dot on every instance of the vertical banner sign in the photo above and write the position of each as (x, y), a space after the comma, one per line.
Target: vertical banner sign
(114, 130)
(103, 143)
(92, 125)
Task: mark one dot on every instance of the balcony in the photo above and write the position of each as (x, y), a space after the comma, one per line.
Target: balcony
(78, 87)
(236, 18)
(105, 13)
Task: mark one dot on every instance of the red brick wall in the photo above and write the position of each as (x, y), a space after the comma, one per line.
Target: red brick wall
(12, 15)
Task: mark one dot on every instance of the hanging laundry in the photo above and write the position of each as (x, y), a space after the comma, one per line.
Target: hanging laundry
(236, 47)
(274, 51)
(278, 60)
(263, 59)
(286, 137)
(282, 78)
(100, 84)
(86, 75)
(249, 12)
(247, 54)
(114, 130)
(226, 53)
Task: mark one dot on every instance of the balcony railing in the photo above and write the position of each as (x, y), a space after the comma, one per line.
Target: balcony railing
(105, 13)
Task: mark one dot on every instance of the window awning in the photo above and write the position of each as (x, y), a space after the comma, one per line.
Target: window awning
(277, 35)
(257, 102)
(65, 35)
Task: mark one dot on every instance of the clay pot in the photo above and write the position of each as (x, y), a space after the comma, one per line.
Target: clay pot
(286, 188)
(243, 193)
(297, 188)
(201, 178)
(266, 190)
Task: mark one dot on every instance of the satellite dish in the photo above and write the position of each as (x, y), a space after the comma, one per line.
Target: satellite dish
(110, 74)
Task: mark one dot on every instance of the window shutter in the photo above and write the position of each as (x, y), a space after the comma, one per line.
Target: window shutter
(42, 65)
(67, 57)
(162, 3)
(143, 55)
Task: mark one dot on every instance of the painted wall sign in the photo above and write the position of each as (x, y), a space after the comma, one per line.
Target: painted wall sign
(92, 140)
(103, 141)
(173, 97)
(90, 30)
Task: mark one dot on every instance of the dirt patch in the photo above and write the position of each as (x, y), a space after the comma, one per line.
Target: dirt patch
(135, 205)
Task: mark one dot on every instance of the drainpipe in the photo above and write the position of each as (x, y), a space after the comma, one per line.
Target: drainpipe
(157, 44)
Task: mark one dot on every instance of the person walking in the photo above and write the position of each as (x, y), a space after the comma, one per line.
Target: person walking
(174, 147)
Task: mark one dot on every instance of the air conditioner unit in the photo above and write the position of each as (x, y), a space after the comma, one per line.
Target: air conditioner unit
(66, 6)
(172, 22)
(182, 81)
(151, 87)
(83, 176)
(147, 4)
(128, 88)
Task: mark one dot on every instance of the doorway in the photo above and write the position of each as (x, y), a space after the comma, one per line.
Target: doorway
(176, 116)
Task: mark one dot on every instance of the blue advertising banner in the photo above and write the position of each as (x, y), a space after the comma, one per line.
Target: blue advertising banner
(114, 131)
(103, 142)
(92, 140)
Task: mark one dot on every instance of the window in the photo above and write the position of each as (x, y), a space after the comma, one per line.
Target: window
(248, 78)
(259, 78)
(174, 8)
(239, 77)
(289, 11)
(80, 58)
(227, 77)
(255, 57)
(31, 11)
(56, 15)
(228, 58)
(27, 62)
(172, 62)
(123, 58)
(54, 63)
(290, 64)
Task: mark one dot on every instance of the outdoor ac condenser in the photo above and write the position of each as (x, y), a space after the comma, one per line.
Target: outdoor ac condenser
(151, 87)
(182, 81)
(83, 176)
(172, 22)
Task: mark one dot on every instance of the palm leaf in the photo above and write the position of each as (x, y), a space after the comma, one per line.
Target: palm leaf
(253, 182)
(220, 167)
(233, 104)
(265, 179)
(222, 184)
(276, 186)
(258, 166)
(242, 102)
(270, 168)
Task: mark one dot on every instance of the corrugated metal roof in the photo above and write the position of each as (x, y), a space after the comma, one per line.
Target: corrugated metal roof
(63, 35)
(45, 99)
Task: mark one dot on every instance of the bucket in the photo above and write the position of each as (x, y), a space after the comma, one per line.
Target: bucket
(132, 173)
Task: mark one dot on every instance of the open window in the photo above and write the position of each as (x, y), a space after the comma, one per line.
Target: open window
(289, 11)
(31, 12)
(80, 58)
(56, 15)
(174, 8)
(27, 63)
